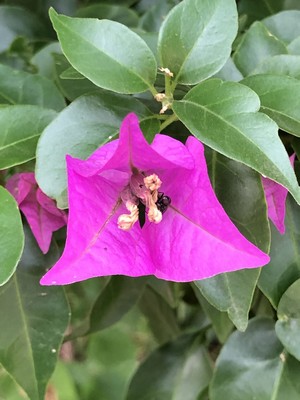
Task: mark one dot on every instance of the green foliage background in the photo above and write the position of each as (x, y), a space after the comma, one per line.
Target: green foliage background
(235, 336)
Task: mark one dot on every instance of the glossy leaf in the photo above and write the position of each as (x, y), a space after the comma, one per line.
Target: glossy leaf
(253, 365)
(288, 325)
(33, 321)
(280, 99)
(284, 267)
(294, 46)
(116, 299)
(21, 127)
(124, 15)
(231, 293)
(18, 87)
(43, 59)
(11, 235)
(71, 88)
(284, 25)
(256, 46)
(107, 53)
(178, 370)
(150, 38)
(71, 73)
(202, 32)
(220, 321)
(167, 290)
(81, 128)
(234, 128)
(283, 64)
(229, 72)
(240, 191)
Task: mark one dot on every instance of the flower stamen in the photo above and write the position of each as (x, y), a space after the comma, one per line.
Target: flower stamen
(126, 221)
(152, 182)
(141, 189)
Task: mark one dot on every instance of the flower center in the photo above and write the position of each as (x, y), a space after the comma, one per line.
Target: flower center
(142, 190)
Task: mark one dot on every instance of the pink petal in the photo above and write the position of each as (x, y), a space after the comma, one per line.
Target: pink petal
(40, 211)
(49, 205)
(276, 195)
(36, 217)
(19, 185)
(196, 238)
(196, 242)
(95, 245)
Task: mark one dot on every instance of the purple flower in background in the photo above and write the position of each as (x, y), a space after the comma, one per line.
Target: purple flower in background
(186, 235)
(40, 211)
(276, 198)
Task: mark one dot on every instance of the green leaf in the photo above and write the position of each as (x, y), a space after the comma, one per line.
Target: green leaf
(122, 2)
(116, 299)
(71, 88)
(107, 53)
(16, 22)
(252, 365)
(18, 87)
(280, 99)
(231, 293)
(288, 325)
(283, 64)
(124, 15)
(167, 290)
(41, 7)
(153, 18)
(284, 267)
(260, 9)
(178, 370)
(71, 73)
(240, 191)
(150, 38)
(112, 359)
(202, 32)
(224, 116)
(11, 235)
(79, 130)
(229, 72)
(256, 46)
(33, 321)
(150, 127)
(284, 25)
(160, 315)
(21, 127)
(64, 382)
(294, 46)
(220, 321)
(43, 59)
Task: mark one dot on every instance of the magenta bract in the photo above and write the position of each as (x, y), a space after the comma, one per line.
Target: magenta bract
(195, 238)
(40, 211)
(276, 195)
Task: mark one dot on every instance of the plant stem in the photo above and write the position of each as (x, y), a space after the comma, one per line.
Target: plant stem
(168, 89)
(153, 90)
(167, 122)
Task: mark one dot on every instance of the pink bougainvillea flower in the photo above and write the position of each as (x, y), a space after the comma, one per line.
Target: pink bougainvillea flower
(40, 211)
(187, 234)
(276, 198)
